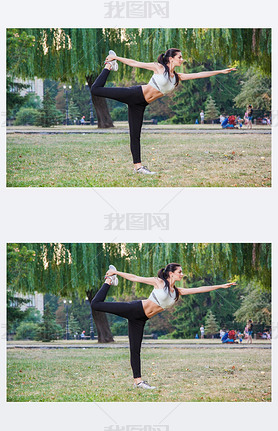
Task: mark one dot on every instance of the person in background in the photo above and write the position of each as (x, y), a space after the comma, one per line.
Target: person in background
(202, 115)
(249, 116)
(202, 330)
(250, 331)
(222, 118)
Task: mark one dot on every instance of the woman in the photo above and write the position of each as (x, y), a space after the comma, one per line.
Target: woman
(163, 81)
(164, 295)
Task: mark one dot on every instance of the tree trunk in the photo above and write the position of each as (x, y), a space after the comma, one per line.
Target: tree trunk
(102, 325)
(103, 330)
(104, 120)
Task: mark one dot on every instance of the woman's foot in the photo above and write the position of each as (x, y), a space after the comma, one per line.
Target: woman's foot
(113, 278)
(143, 385)
(113, 63)
(143, 170)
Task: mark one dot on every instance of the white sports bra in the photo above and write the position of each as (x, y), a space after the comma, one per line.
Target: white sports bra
(162, 83)
(162, 298)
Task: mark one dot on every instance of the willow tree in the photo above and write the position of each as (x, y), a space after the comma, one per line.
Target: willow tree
(67, 54)
(71, 269)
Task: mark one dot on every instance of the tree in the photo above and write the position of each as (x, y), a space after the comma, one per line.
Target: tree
(211, 325)
(255, 90)
(74, 113)
(211, 111)
(15, 314)
(67, 54)
(48, 115)
(74, 327)
(256, 305)
(48, 330)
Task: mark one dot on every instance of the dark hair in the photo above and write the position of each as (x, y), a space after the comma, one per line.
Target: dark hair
(163, 273)
(164, 60)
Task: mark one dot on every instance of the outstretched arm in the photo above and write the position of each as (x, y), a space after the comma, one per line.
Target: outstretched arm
(133, 63)
(153, 281)
(186, 76)
(203, 289)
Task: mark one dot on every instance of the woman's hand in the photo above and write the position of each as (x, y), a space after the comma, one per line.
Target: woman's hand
(225, 286)
(110, 272)
(231, 69)
(110, 58)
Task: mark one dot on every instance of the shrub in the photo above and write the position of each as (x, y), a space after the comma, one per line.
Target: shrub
(26, 331)
(26, 116)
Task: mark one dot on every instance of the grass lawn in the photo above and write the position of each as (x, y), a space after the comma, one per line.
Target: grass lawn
(104, 160)
(180, 374)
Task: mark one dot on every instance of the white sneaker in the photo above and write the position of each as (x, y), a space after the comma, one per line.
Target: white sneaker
(143, 170)
(113, 63)
(114, 279)
(143, 385)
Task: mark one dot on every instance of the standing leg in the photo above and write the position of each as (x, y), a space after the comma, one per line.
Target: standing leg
(135, 120)
(135, 334)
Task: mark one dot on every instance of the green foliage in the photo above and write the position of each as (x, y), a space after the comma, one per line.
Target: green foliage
(74, 113)
(48, 114)
(119, 113)
(20, 259)
(211, 325)
(65, 54)
(32, 315)
(26, 116)
(255, 90)
(32, 100)
(256, 305)
(81, 96)
(48, 330)
(26, 331)
(13, 98)
(120, 327)
(211, 111)
(15, 314)
(74, 327)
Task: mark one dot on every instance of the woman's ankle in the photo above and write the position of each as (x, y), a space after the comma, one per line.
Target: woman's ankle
(108, 66)
(137, 165)
(137, 380)
(108, 280)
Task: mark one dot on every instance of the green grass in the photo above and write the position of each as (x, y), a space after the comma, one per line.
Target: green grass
(180, 374)
(104, 160)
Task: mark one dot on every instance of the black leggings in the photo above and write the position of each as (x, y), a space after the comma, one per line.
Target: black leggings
(134, 312)
(134, 98)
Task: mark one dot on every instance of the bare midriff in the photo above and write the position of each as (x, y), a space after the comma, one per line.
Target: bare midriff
(150, 93)
(150, 308)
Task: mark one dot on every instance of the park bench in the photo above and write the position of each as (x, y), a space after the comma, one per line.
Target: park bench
(152, 121)
(151, 336)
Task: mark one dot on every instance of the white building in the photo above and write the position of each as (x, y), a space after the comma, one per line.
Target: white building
(35, 301)
(34, 86)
